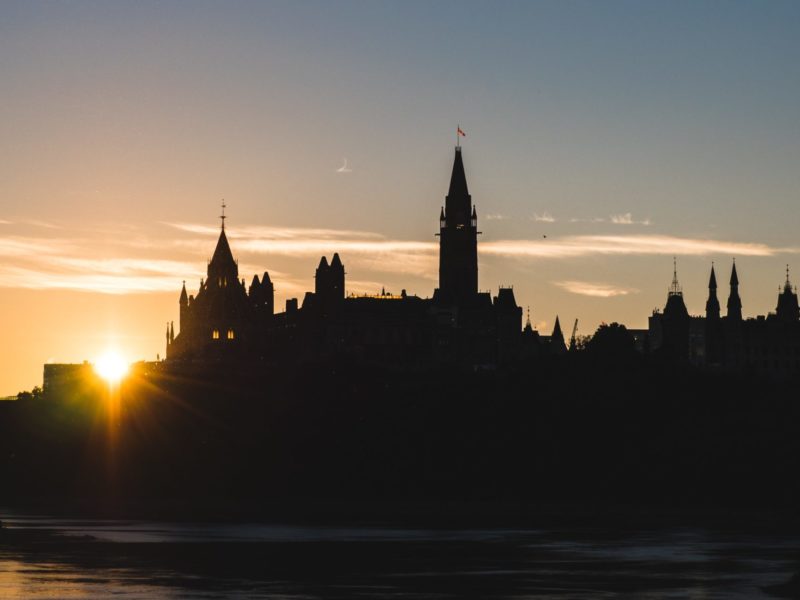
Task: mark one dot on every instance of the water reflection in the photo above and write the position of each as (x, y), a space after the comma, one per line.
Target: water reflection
(138, 559)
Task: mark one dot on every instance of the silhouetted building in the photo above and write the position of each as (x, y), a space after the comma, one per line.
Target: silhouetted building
(458, 325)
(767, 344)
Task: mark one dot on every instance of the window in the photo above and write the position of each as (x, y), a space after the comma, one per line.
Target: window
(230, 334)
(215, 334)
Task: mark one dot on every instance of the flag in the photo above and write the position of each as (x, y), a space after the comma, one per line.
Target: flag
(460, 132)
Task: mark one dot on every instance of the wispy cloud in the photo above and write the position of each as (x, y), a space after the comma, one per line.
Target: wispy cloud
(545, 217)
(587, 245)
(627, 219)
(496, 217)
(597, 290)
(4, 222)
(132, 261)
(344, 168)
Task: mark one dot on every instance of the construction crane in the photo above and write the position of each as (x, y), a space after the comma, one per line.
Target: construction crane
(572, 337)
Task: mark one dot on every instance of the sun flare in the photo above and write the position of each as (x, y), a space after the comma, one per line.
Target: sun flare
(111, 366)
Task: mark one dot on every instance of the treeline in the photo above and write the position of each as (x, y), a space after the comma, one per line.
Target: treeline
(585, 429)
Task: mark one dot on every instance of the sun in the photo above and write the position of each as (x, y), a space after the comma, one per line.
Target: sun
(111, 366)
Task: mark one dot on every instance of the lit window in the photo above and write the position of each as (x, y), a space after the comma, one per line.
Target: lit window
(215, 334)
(230, 334)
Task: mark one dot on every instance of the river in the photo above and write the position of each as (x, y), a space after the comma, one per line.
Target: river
(51, 557)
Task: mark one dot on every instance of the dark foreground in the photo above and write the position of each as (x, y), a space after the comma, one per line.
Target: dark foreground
(44, 557)
(209, 441)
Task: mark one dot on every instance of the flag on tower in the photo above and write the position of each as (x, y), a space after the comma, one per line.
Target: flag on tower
(460, 132)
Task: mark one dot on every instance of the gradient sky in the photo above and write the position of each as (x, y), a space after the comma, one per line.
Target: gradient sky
(625, 132)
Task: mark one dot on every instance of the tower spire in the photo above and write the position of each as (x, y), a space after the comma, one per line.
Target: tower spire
(675, 288)
(734, 301)
(222, 216)
(712, 304)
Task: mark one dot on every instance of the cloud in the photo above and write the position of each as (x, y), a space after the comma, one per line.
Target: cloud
(545, 217)
(131, 261)
(4, 222)
(496, 217)
(627, 219)
(343, 168)
(597, 290)
(588, 245)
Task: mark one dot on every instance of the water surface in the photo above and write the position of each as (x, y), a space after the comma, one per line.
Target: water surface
(141, 559)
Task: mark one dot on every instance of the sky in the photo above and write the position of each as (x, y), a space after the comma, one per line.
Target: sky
(625, 132)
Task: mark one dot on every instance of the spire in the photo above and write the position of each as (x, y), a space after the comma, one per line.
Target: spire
(528, 318)
(712, 304)
(184, 300)
(734, 301)
(222, 262)
(557, 330)
(458, 201)
(171, 331)
(336, 262)
(458, 178)
(675, 288)
(557, 344)
(788, 309)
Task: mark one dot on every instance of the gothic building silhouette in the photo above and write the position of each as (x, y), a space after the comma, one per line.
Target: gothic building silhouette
(458, 324)
(227, 319)
(767, 344)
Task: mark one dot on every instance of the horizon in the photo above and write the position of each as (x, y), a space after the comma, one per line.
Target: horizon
(626, 134)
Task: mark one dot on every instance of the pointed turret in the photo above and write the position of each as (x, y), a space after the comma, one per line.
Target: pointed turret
(557, 343)
(557, 333)
(734, 302)
(712, 304)
(222, 269)
(336, 278)
(184, 299)
(457, 203)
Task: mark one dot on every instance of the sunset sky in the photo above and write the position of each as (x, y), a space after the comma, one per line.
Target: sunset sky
(625, 132)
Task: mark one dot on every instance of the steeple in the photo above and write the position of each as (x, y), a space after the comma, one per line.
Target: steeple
(184, 299)
(712, 304)
(457, 203)
(734, 302)
(788, 285)
(458, 241)
(675, 287)
(557, 338)
(222, 266)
